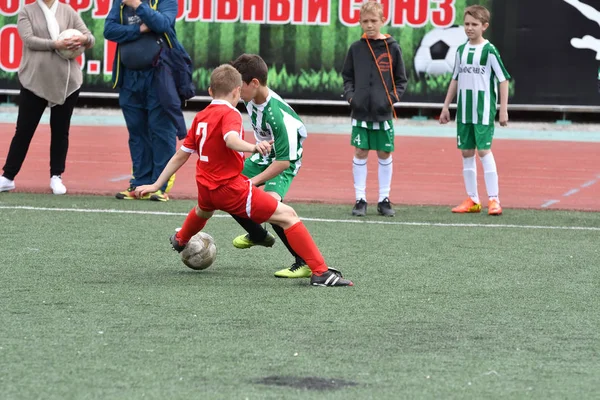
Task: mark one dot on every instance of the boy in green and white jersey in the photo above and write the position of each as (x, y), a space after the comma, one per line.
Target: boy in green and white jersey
(272, 120)
(477, 72)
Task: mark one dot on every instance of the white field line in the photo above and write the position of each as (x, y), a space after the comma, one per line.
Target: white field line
(325, 220)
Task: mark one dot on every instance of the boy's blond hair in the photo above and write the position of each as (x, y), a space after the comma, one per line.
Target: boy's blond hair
(480, 13)
(372, 7)
(224, 79)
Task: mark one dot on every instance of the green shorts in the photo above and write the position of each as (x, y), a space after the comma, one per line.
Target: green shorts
(280, 184)
(474, 136)
(373, 139)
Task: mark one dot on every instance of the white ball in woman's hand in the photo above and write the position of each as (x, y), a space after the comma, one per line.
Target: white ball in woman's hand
(68, 53)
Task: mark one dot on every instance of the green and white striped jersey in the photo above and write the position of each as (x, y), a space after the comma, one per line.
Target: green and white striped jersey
(276, 120)
(373, 125)
(478, 70)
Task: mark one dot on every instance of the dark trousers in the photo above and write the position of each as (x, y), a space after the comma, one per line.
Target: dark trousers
(31, 108)
(152, 134)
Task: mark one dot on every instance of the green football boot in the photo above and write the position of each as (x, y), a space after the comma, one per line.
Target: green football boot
(244, 242)
(297, 270)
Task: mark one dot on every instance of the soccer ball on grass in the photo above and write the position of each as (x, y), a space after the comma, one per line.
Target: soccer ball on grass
(200, 252)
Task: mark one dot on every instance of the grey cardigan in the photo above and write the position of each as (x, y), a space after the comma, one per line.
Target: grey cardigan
(42, 70)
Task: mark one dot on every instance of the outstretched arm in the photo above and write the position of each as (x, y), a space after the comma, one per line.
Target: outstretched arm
(273, 170)
(172, 166)
(236, 143)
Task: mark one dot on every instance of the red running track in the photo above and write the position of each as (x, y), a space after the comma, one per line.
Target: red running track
(426, 170)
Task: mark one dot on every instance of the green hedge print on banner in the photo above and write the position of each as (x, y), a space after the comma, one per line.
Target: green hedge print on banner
(303, 59)
(280, 80)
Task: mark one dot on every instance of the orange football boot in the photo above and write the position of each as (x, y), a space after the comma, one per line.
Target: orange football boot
(494, 208)
(467, 206)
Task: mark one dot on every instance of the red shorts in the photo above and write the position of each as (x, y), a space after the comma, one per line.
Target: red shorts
(238, 197)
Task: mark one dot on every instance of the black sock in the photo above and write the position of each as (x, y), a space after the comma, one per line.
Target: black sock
(256, 232)
(279, 231)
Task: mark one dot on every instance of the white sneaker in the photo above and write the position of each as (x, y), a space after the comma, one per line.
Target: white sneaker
(57, 186)
(6, 184)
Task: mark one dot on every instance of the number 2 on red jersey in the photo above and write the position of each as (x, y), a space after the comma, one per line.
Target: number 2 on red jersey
(202, 129)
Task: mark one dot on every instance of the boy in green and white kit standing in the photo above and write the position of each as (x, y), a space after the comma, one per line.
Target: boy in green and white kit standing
(374, 79)
(477, 72)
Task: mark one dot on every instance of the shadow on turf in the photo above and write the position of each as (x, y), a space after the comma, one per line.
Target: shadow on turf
(309, 383)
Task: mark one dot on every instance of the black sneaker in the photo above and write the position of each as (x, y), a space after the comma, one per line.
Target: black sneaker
(385, 208)
(332, 277)
(360, 208)
(175, 243)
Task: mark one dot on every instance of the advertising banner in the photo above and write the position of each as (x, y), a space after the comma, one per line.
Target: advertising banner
(551, 54)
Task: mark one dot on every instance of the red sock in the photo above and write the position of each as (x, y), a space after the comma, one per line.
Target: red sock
(192, 225)
(303, 244)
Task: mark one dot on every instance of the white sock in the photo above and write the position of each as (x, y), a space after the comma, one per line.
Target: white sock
(386, 168)
(470, 176)
(359, 170)
(491, 176)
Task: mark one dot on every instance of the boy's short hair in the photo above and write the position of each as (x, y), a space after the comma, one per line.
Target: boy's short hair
(480, 13)
(372, 7)
(252, 66)
(224, 79)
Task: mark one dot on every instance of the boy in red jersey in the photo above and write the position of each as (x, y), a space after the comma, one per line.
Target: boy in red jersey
(217, 136)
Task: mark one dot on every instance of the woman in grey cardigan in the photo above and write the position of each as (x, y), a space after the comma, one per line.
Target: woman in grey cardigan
(47, 79)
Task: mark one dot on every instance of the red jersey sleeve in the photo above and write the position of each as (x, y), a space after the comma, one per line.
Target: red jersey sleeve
(232, 122)
(189, 143)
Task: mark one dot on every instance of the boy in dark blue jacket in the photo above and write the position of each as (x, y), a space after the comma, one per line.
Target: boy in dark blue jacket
(141, 28)
(374, 79)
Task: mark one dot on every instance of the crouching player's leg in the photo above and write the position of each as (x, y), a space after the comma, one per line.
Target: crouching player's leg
(256, 235)
(276, 187)
(303, 244)
(266, 208)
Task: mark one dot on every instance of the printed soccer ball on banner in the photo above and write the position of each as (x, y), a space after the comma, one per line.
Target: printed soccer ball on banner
(200, 252)
(437, 51)
(70, 54)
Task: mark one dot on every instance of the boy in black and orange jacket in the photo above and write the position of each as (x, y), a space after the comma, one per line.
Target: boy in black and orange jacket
(374, 79)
